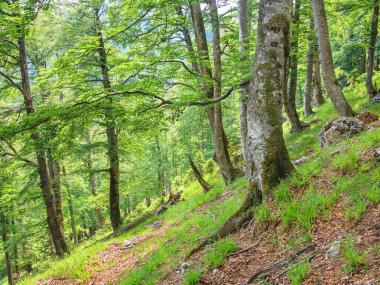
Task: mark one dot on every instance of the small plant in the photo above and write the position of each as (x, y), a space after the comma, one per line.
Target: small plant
(192, 277)
(214, 256)
(355, 212)
(353, 258)
(298, 179)
(346, 162)
(373, 193)
(282, 194)
(299, 272)
(264, 214)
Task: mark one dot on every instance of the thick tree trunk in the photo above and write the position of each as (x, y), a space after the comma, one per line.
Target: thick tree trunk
(268, 160)
(206, 187)
(309, 71)
(317, 82)
(371, 50)
(52, 218)
(54, 172)
(112, 137)
(92, 180)
(290, 97)
(244, 57)
(8, 258)
(214, 113)
(333, 89)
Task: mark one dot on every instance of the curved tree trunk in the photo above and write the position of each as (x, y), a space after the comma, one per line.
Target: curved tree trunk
(290, 96)
(112, 137)
(244, 50)
(371, 50)
(53, 221)
(333, 89)
(309, 71)
(206, 187)
(267, 158)
(212, 90)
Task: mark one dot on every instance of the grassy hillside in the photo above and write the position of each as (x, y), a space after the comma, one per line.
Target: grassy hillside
(338, 175)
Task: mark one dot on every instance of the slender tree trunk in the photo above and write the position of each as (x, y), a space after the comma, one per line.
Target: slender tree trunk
(333, 89)
(52, 218)
(8, 258)
(15, 249)
(317, 82)
(214, 113)
(268, 160)
(309, 71)
(363, 62)
(54, 172)
(371, 50)
(71, 207)
(92, 180)
(290, 97)
(189, 44)
(244, 57)
(206, 187)
(113, 146)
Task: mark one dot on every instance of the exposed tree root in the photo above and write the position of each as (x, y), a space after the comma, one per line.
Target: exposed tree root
(268, 270)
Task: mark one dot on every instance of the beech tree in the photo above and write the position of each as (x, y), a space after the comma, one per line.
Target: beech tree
(333, 89)
(267, 157)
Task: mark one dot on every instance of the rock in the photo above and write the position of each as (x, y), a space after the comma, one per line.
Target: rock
(300, 161)
(128, 244)
(216, 270)
(334, 250)
(342, 127)
(154, 225)
(376, 99)
(376, 154)
(182, 268)
(293, 147)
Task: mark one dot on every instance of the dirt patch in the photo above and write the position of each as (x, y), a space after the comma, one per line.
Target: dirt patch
(367, 117)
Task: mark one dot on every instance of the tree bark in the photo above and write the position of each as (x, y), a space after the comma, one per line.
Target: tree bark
(290, 96)
(268, 160)
(220, 140)
(54, 172)
(309, 71)
(112, 137)
(371, 50)
(333, 89)
(206, 187)
(317, 82)
(8, 258)
(52, 218)
(244, 50)
(92, 180)
(71, 207)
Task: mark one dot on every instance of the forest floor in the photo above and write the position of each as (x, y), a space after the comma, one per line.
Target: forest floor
(322, 226)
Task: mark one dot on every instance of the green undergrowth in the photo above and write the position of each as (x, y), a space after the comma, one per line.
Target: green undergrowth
(186, 226)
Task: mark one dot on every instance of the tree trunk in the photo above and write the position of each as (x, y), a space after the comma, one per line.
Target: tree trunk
(309, 71)
(333, 89)
(15, 249)
(363, 62)
(54, 172)
(206, 187)
(92, 180)
(189, 44)
(317, 83)
(52, 218)
(371, 50)
(71, 207)
(244, 57)
(8, 259)
(290, 97)
(268, 160)
(220, 140)
(112, 137)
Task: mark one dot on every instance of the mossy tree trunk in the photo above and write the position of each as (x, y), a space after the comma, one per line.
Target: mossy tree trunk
(333, 89)
(309, 71)
(371, 50)
(290, 95)
(267, 157)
